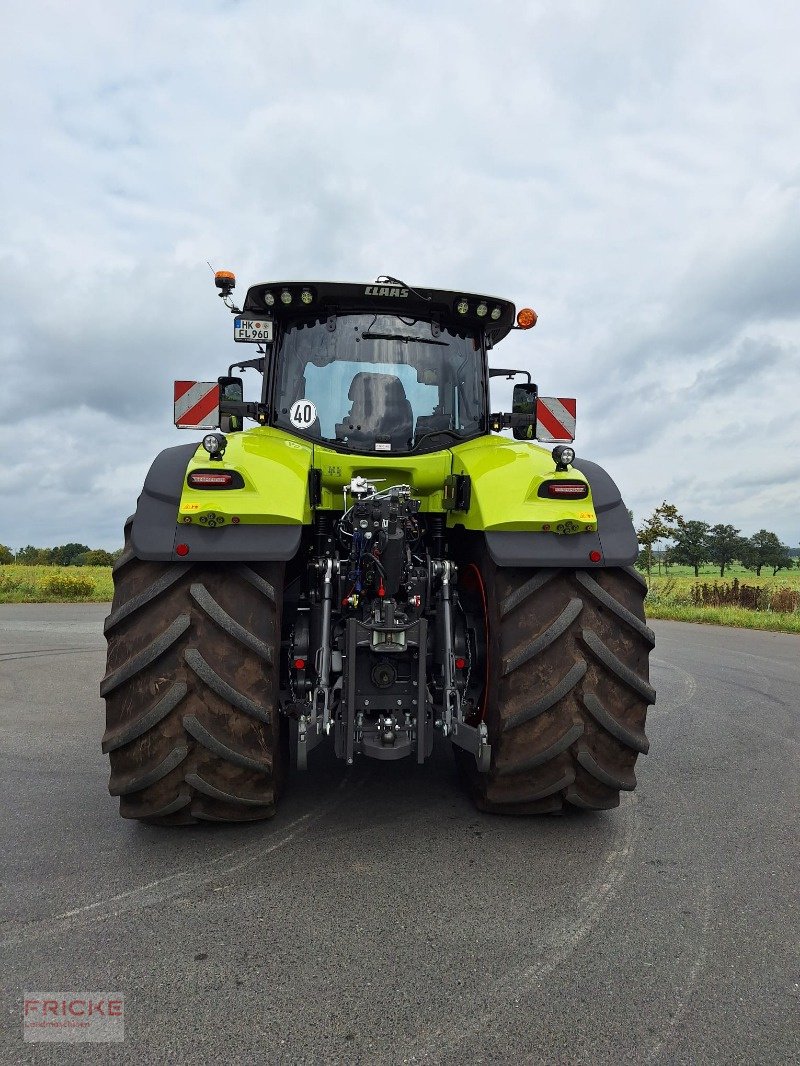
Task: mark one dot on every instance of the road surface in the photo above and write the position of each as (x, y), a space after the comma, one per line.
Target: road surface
(380, 919)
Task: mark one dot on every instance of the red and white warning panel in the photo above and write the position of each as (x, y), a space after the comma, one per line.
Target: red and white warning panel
(555, 418)
(196, 404)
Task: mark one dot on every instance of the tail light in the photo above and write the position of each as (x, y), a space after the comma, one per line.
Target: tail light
(215, 479)
(560, 490)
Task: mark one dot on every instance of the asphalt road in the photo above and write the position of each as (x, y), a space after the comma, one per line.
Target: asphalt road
(380, 919)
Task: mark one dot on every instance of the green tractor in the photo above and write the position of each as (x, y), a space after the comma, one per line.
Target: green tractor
(373, 565)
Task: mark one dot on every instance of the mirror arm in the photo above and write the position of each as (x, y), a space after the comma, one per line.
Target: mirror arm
(499, 372)
(504, 420)
(258, 364)
(257, 411)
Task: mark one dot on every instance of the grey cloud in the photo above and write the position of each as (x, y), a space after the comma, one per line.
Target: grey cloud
(751, 359)
(631, 172)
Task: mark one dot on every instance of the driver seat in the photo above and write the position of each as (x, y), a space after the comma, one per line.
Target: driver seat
(380, 408)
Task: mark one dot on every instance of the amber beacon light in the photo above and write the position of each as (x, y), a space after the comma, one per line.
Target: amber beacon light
(527, 318)
(225, 280)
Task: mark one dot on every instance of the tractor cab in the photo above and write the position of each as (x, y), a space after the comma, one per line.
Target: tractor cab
(377, 368)
(365, 369)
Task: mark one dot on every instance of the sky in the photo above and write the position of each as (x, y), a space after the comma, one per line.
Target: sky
(631, 171)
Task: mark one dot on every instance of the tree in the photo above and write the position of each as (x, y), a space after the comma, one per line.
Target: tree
(6, 555)
(95, 557)
(725, 545)
(30, 556)
(782, 560)
(65, 554)
(662, 523)
(691, 546)
(765, 549)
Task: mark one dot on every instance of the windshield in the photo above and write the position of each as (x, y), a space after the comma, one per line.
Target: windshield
(379, 382)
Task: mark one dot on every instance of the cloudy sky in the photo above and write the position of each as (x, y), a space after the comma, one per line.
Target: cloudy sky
(631, 170)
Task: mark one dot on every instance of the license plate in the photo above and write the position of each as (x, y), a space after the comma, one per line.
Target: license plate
(252, 330)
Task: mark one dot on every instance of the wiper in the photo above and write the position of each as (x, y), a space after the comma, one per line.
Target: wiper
(402, 337)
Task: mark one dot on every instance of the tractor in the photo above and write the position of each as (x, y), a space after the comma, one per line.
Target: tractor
(379, 563)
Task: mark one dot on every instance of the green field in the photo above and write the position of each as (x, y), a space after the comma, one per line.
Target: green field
(671, 596)
(55, 584)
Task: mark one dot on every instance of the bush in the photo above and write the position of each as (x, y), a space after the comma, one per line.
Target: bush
(749, 597)
(67, 586)
(663, 592)
(786, 600)
(9, 582)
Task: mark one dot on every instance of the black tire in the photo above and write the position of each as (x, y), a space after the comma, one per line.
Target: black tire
(191, 686)
(568, 688)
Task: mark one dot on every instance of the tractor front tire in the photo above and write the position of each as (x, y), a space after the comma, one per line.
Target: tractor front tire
(191, 689)
(567, 688)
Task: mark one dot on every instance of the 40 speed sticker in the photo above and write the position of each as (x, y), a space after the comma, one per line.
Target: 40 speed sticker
(303, 414)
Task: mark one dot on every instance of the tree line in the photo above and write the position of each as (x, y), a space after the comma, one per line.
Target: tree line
(72, 554)
(695, 543)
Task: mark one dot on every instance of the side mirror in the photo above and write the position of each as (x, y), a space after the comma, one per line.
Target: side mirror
(231, 399)
(523, 402)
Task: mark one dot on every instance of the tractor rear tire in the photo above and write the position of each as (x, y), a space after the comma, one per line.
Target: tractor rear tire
(193, 731)
(567, 688)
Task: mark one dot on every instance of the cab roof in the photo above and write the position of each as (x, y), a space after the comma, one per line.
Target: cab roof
(287, 299)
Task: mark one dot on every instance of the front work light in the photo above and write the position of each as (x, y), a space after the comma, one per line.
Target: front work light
(481, 309)
(286, 297)
(269, 299)
(306, 296)
(462, 307)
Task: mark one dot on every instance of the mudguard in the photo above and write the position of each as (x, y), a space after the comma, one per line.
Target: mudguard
(615, 537)
(156, 532)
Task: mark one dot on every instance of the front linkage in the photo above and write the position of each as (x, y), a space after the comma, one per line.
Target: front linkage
(383, 647)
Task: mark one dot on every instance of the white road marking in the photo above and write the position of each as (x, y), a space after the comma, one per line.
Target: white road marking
(134, 893)
(557, 948)
(689, 683)
(699, 964)
(164, 887)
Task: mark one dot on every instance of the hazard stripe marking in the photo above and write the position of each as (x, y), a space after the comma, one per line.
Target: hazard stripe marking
(196, 404)
(555, 418)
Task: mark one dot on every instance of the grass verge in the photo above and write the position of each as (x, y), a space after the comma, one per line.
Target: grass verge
(737, 617)
(55, 584)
